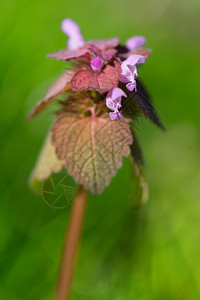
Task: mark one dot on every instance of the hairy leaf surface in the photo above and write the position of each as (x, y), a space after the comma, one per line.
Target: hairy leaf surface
(105, 43)
(102, 82)
(92, 147)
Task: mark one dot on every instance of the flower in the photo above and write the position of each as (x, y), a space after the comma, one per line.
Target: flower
(129, 71)
(96, 64)
(71, 28)
(113, 101)
(135, 42)
(100, 66)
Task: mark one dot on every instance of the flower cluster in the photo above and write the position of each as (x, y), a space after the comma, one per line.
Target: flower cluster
(101, 65)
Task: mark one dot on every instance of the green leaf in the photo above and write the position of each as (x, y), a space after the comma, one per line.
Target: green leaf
(47, 163)
(139, 174)
(92, 147)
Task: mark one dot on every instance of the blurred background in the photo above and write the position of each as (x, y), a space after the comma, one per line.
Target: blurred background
(148, 253)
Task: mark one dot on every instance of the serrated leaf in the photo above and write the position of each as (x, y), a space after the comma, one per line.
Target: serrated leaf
(47, 163)
(138, 162)
(70, 54)
(109, 78)
(92, 147)
(84, 80)
(103, 82)
(61, 84)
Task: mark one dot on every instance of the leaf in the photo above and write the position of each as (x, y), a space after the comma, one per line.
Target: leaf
(103, 82)
(92, 148)
(84, 80)
(70, 54)
(140, 51)
(105, 55)
(59, 86)
(109, 77)
(138, 161)
(143, 100)
(47, 163)
(106, 43)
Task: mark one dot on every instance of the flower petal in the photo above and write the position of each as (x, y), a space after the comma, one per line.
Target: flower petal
(116, 93)
(72, 30)
(115, 115)
(131, 86)
(134, 60)
(110, 104)
(135, 42)
(70, 27)
(96, 64)
(75, 42)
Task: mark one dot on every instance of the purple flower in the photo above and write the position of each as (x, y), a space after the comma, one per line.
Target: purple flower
(135, 42)
(113, 101)
(96, 64)
(71, 28)
(129, 71)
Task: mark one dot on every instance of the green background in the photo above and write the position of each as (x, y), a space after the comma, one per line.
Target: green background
(149, 253)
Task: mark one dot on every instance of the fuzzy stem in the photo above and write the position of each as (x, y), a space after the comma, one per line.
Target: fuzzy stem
(71, 243)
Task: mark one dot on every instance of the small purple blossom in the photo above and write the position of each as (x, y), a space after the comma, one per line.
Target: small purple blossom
(135, 42)
(129, 71)
(96, 64)
(72, 30)
(113, 101)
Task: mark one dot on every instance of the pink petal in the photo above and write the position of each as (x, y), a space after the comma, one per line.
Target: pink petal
(134, 59)
(131, 86)
(135, 42)
(75, 42)
(96, 64)
(114, 115)
(70, 27)
(116, 93)
(109, 103)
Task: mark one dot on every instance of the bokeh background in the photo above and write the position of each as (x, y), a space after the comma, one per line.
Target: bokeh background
(148, 253)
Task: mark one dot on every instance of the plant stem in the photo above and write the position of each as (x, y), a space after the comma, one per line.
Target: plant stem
(71, 243)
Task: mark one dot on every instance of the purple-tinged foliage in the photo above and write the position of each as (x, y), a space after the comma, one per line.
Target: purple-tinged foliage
(100, 98)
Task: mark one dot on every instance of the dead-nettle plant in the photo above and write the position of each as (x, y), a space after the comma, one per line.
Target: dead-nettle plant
(94, 128)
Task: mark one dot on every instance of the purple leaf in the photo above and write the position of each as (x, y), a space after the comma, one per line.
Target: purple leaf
(85, 80)
(71, 54)
(109, 77)
(102, 82)
(106, 43)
